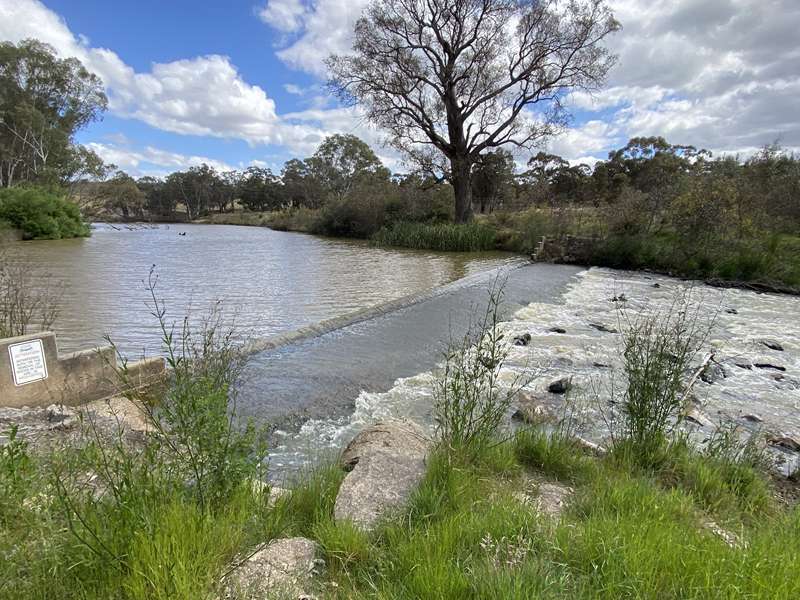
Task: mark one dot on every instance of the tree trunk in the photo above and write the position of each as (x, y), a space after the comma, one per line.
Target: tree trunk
(461, 179)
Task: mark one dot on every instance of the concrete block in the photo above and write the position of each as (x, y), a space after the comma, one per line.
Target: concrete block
(33, 374)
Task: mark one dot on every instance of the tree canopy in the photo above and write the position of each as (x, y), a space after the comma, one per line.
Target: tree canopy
(451, 79)
(44, 101)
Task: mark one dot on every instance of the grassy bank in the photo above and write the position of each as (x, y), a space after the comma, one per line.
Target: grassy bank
(470, 530)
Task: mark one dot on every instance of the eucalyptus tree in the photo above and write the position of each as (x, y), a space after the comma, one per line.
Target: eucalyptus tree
(44, 101)
(452, 79)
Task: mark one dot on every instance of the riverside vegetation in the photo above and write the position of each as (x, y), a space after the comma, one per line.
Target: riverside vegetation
(169, 515)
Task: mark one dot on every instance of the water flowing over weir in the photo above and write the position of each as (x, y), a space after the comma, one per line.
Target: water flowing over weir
(338, 383)
(315, 380)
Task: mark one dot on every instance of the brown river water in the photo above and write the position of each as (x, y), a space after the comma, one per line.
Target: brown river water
(269, 282)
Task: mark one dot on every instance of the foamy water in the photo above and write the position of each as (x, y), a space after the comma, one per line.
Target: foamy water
(740, 322)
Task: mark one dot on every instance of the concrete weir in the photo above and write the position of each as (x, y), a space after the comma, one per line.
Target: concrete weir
(33, 374)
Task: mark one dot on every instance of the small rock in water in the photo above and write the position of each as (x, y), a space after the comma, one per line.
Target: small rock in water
(731, 311)
(714, 372)
(530, 409)
(522, 340)
(698, 418)
(656, 285)
(747, 366)
(785, 441)
(772, 345)
(561, 386)
(603, 328)
(752, 418)
(769, 366)
(600, 365)
(557, 330)
(620, 298)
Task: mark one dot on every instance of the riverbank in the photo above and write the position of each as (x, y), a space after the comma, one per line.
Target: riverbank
(770, 262)
(402, 512)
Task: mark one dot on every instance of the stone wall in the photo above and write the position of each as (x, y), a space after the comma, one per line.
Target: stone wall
(568, 249)
(33, 374)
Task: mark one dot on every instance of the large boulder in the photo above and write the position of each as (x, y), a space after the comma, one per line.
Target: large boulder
(385, 462)
(283, 569)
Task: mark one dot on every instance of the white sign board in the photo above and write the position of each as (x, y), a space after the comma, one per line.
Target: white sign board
(27, 362)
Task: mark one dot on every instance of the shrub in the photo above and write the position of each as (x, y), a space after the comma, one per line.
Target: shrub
(41, 214)
(657, 350)
(469, 404)
(25, 306)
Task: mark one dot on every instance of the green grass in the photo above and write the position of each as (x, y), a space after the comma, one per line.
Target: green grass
(627, 532)
(444, 237)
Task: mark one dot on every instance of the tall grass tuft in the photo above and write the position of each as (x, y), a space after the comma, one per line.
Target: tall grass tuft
(657, 350)
(445, 237)
(470, 405)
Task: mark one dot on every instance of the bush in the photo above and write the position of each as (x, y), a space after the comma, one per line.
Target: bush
(41, 214)
(469, 405)
(445, 237)
(657, 351)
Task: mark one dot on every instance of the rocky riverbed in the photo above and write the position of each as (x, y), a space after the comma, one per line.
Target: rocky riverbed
(753, 379)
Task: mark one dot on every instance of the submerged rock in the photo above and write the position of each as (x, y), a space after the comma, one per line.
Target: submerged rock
(603, 328)
(561, 386)
(785, 441)
(283, 569)
(713, 373)
(752, 418)
(385, 462)
(531, 409)
(557, 330)
(522, 340)
(769, 366)
(773, 345)
(698, 418)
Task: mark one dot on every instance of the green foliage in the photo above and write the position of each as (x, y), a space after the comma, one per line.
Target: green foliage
(445, 237)
(657, 351)
(553, 454)
(470, 405)
(44, 101)
(41, 213)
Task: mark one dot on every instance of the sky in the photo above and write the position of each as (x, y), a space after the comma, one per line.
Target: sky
(241, 82)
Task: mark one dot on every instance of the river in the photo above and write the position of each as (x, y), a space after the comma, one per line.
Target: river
(267, 281)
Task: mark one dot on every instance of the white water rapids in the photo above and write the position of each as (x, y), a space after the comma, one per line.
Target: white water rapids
(754, 397)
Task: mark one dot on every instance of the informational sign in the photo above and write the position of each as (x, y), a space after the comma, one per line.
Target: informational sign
(27, 362)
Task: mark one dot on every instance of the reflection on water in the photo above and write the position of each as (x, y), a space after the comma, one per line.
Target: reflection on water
(272, 281)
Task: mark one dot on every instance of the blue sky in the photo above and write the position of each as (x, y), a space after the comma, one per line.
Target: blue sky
(240, 82)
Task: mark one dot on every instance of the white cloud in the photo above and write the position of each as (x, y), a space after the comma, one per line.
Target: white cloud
(720, 74)
(321, 29)
(293, 89)
(204, 95)
(283, 15)
(151, 160)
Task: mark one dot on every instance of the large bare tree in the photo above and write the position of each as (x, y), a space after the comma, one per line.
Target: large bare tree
(451, 79)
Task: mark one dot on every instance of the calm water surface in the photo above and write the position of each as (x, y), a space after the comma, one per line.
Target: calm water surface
(268, 281)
